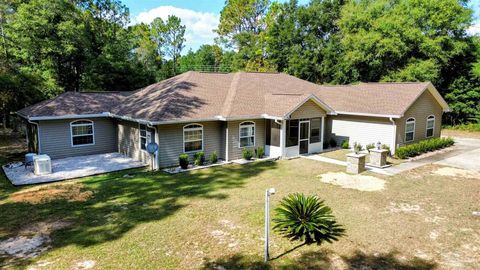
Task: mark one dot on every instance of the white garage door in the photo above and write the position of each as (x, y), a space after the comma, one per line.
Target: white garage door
(362, 132)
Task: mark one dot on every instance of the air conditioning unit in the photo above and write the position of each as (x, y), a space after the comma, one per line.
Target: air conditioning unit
(42, 165)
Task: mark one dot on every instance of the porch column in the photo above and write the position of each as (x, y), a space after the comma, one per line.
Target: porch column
(283, 138)
(322, 131)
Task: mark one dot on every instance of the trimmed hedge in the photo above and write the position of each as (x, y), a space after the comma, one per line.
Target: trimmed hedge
(416, 149)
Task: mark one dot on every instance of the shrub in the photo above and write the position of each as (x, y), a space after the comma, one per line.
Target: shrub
(416, 149)
(199, 158)
(213, 157)
(247, 154)
(357, 147)
(259, 152)
(370, 146)
(183, 160)
(332, 142)
(326, 145)
(345, 144)
(307, 219)
(386, 147)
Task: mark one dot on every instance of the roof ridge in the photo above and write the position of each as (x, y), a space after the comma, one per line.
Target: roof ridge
(232, 92)
(393, 82)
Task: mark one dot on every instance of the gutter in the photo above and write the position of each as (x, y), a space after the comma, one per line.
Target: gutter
(370, 114)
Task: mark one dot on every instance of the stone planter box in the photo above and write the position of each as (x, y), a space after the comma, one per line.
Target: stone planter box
(378, 158)
(356, 163)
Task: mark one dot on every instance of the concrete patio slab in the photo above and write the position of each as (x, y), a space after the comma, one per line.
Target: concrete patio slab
(73, 167)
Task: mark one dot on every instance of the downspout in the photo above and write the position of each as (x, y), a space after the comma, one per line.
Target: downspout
(157, 140)
(38, 134)
(394, 141)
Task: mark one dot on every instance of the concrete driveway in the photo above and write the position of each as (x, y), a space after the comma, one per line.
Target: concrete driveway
(465, 154)
(468, 159)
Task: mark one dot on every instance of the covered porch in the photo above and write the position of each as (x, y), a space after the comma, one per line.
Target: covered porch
(300, 132)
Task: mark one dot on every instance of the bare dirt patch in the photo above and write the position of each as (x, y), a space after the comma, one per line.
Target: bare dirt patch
(30, 241)
(84, 264)
(69, 192)
(456, 172)
(403, 208)
(358, 182)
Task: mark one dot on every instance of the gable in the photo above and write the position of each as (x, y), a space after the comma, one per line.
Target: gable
(426, 104)
(309, 109)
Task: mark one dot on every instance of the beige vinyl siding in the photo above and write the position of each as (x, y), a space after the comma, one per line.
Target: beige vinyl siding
(361, 129)
(129, 141)
(171, 141)
(55, 139)
(423, 107)
(309, 109)
(234, 151)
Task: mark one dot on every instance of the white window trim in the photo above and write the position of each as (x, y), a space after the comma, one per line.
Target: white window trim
(72, 124)
(414, 126)
(192, 129)
(140, 136)
(426, 126)
(251, 124)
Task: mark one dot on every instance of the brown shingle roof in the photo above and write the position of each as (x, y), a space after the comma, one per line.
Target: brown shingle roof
(74, 103)
(372, 98)
(195, 96)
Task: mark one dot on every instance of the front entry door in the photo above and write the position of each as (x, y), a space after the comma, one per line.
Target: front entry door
(304, 138)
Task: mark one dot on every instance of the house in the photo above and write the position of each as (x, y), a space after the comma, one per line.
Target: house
(226, 113)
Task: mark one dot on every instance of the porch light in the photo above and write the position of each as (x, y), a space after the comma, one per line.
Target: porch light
(379, 145)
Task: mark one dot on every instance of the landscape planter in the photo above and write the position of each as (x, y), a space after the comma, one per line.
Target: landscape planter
(378, 158)
(356, 163)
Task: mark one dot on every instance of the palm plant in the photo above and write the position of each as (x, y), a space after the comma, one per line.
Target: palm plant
(307, 219)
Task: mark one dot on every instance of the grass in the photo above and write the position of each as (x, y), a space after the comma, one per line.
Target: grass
(462, 132)
(341, 155)
(471, 127)
(211, 217)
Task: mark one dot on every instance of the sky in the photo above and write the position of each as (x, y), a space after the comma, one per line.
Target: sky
(202, 16)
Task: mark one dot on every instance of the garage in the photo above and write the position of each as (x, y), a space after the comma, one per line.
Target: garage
(361, 129)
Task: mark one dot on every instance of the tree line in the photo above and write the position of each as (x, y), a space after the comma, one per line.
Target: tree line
(52, 46)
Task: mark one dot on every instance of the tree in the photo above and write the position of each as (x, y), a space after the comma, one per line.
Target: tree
(303, 40)
(169, 37)
(242, 24)
(402, 40)
(307, 219)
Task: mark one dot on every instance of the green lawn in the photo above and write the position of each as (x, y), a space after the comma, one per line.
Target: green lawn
(213, 217)
(341, 154)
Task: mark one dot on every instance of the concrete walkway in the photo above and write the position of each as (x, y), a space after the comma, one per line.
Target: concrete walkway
(344, 163)
(465, 154)
(73, 167)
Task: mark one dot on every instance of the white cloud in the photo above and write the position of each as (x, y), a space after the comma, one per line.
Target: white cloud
(474, 29)
(199, 25)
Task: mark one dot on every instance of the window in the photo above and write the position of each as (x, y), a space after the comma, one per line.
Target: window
(430, 126)
(315, 130)
(247, 134)
(292, 133)
(145, 137)
(410, 130)
(82, 133)
(192, 138)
